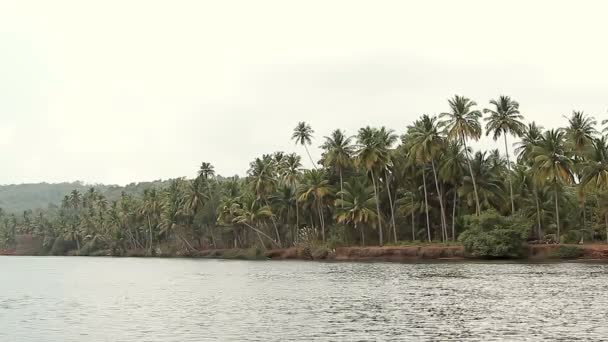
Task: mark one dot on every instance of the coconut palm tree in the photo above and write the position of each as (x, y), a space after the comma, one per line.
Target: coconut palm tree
(452, 167)
(372, 156)
(356, 205)
(530, 138)
(553, 165)
(425, 144)
(580, 133)
(315, 186)
(338, 153)
(388, 138)
(505, 119)
(462, 123)
(302, 135)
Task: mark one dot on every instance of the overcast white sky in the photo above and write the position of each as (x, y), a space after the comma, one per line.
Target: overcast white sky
(121, 91)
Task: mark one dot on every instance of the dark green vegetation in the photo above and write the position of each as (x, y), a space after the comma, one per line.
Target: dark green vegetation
(378, 186)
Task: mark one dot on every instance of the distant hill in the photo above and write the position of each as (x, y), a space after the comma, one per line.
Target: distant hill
(19, 197)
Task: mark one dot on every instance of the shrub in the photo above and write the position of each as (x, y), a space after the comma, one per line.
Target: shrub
(567, 252)
(491, 235)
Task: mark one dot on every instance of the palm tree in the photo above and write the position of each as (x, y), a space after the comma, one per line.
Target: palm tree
(595, 172)
(206, 170)
(290, 173)
(462, 123)
(357, 202)
(251, 215)
(452, 168)
(505, 119)
(531, 137)
(262, 172)
(553, 165)
(425, 144)
(338, 153)
(315, 186)
(372, 155)
(580, 133)
(302, 135)
(388, 138)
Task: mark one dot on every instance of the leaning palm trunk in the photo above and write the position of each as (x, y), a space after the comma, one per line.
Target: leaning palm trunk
(426, 203)
(259, 232)
(274, 223)
(377, 208)
(444, 228)
(310, 157)
(510, 181)
(466, 151)
(557, 215)
(390, 201)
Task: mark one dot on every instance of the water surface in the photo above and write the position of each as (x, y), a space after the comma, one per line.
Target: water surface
(158, 300)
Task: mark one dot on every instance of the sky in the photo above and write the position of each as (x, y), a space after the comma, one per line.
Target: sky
(126, 91)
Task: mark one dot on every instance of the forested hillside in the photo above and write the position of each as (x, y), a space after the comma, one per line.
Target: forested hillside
(19, 197)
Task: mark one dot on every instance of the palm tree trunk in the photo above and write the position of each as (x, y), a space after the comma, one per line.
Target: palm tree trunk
(259, 232)
(377, 208)
(466, 152)
(510, 180)
(454, 216)
(295, 237)
(390, 201)
(274, 223)
(557, 215)
(413, 223)
(341, 190)
(310, 157)
(606, 222)
(540, 227)
(322, 221)
(584, 222)
(444, 228)
(150, 229)
(426, 203)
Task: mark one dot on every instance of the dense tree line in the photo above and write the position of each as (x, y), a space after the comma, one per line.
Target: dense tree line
(377, 186)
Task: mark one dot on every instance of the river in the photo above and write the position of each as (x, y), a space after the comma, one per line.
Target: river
(158, 300)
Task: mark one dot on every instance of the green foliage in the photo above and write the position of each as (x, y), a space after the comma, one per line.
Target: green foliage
(370, 186)
(491, 235)
(567, 252)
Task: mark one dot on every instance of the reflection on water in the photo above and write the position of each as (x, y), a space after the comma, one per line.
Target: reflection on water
(105, 299)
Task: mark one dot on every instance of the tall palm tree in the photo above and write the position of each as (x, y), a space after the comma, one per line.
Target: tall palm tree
(425, 144)
(338, 153)
(356, 205)
(316, 186)
(594, 173)
(505, 119)
(388, 138)
(302, 135)
(531, 137)
(372, 156)
(262, 172)
(452, 167)
(580, 133)
(462, 123)
(553, 165)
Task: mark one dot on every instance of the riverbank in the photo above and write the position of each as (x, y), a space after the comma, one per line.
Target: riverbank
(354, 253)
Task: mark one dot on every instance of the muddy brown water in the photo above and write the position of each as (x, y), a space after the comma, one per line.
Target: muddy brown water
(133, 300)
